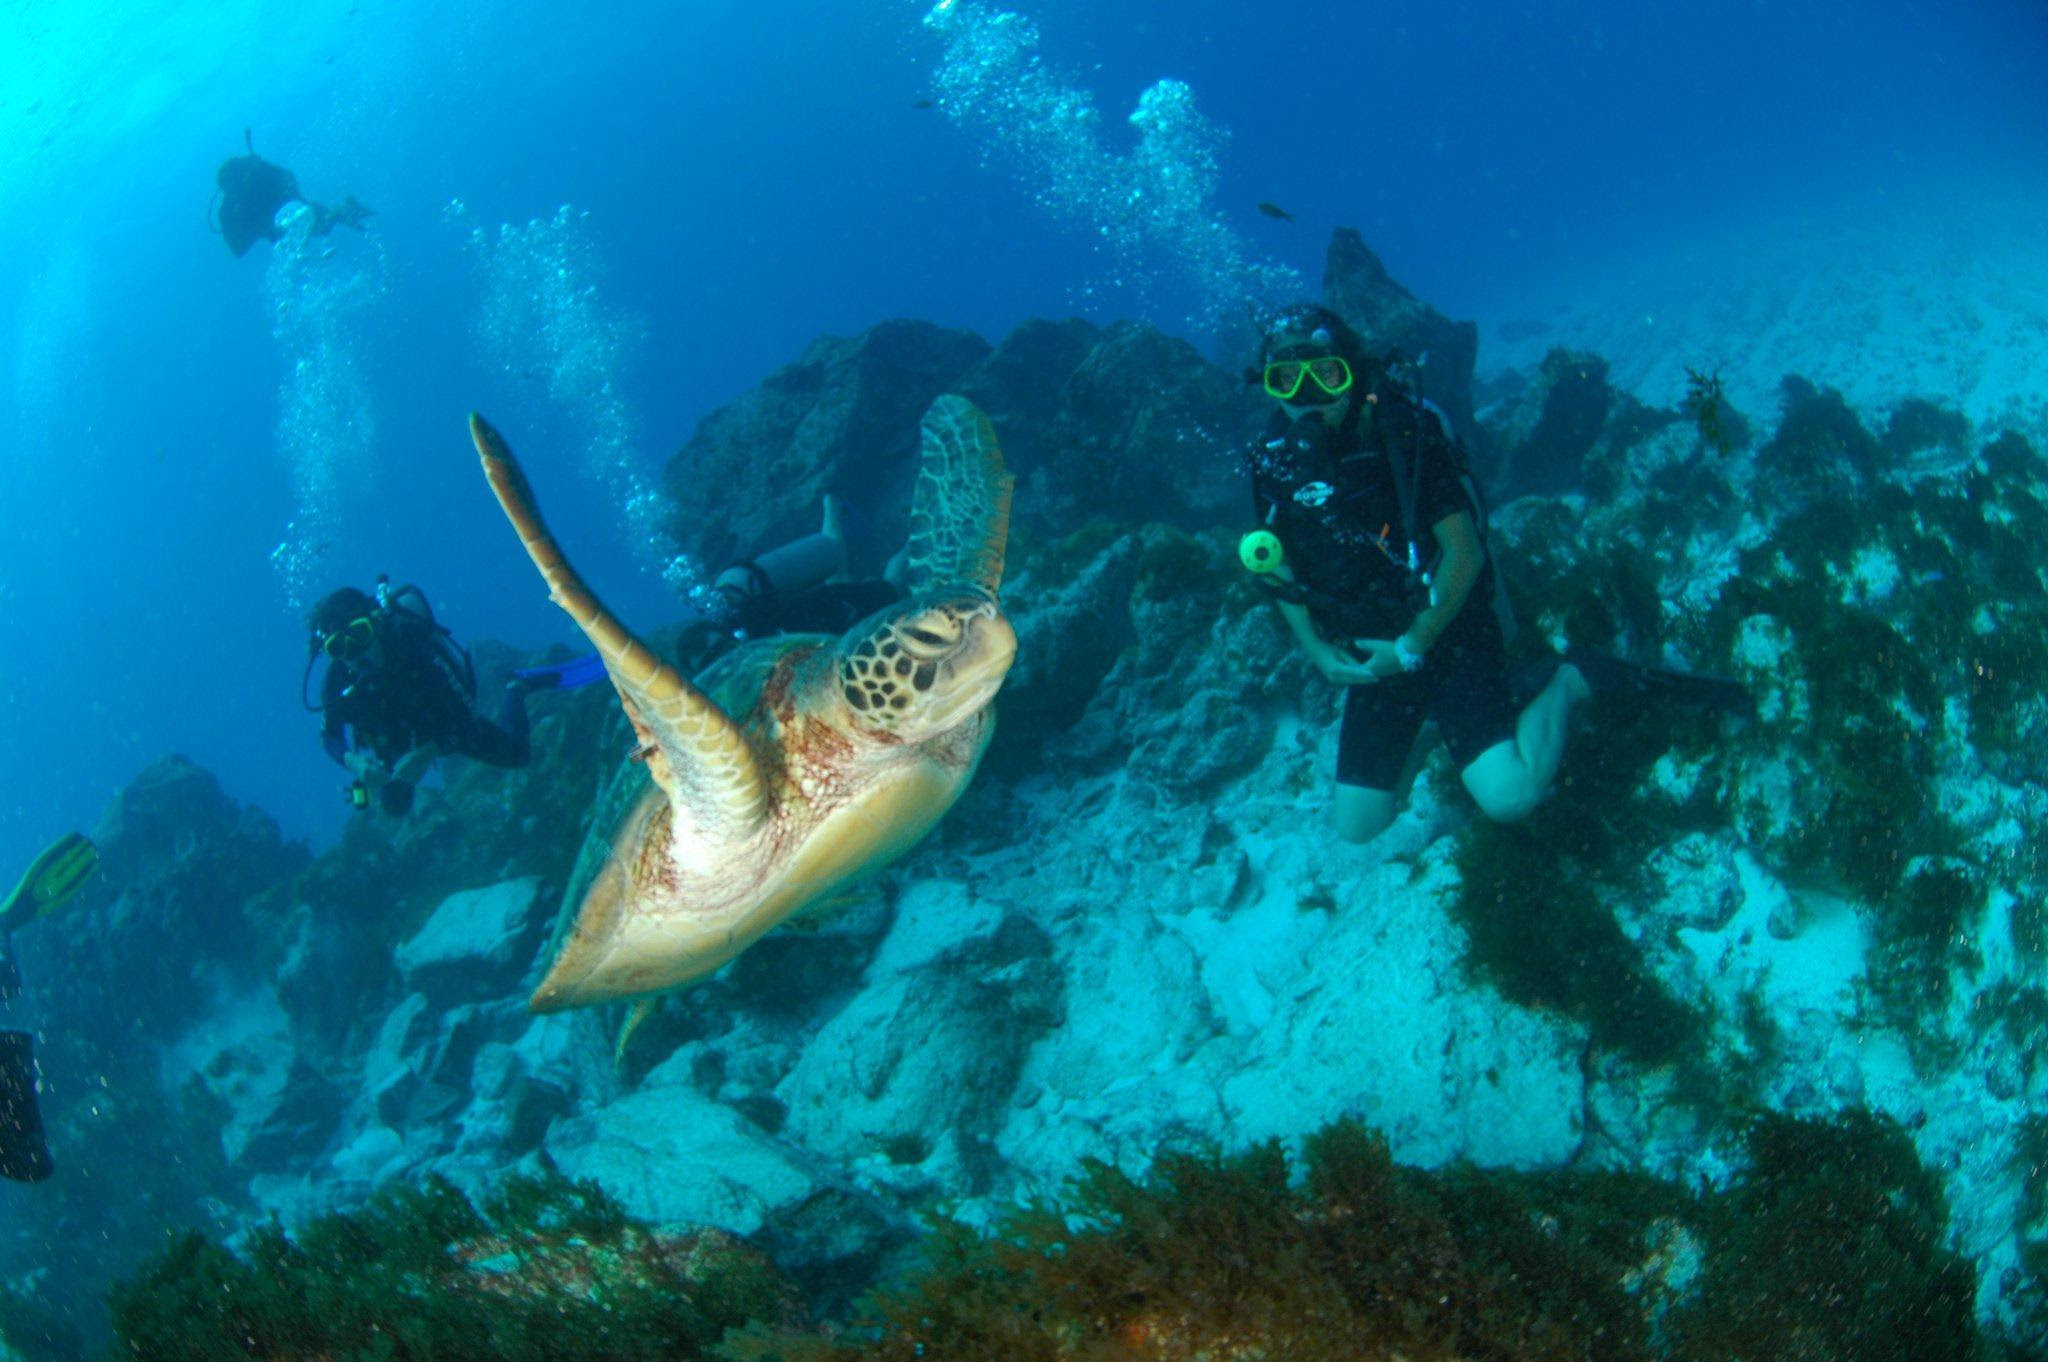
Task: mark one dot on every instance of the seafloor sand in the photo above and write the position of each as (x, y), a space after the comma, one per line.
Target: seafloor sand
(1947, 300)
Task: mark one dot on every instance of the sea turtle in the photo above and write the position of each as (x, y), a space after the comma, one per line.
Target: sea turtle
(797, 765)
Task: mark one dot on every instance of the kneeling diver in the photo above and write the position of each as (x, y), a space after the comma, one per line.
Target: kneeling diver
(1372, 543)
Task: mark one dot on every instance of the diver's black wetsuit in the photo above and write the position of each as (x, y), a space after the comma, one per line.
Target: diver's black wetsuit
(1334, 499)
(828, 608)
(417, 694)
(24, 1157)
(251, 191)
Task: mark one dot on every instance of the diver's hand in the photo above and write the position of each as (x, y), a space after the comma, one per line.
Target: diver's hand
(1380, 657)
(1340, 668)
(365, 766)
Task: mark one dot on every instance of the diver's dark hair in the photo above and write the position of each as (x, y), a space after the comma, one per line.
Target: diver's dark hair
(336, 609)
(1292, 318)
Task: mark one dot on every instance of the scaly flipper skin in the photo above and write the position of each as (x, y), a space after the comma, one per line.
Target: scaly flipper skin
(694, 751)
(960, 512)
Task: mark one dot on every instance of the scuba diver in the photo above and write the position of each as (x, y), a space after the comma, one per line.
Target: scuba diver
(799, 588)
(399, 694)
(1372, 543)
(55, 875)
(252, 190)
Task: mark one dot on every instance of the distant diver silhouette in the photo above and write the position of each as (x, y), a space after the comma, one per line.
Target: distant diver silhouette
(252, 190)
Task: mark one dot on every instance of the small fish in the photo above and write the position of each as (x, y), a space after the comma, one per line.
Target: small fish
(921, 103)
(1274, 210)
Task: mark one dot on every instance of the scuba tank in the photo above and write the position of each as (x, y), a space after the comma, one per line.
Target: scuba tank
(796, 566)
(1409, 376)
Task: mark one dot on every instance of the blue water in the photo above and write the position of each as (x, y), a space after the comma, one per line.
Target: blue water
(743, 178)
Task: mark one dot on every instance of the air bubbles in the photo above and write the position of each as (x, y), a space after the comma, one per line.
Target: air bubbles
(326, 420)
(1152, 208)
(545, 317)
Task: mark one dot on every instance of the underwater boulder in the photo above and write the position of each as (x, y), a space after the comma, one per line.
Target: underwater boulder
(1358, 288)
(1147, 430)
(1552, 426)
(1195, 699)
(171, 809)
(675, 1158)
(276, 1110)
(843, 417)
(933, 1044)
(1022, 382)
(478, 942)
(1071, 604)
(147, 946)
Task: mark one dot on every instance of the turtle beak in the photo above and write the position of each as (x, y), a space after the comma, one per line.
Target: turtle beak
(977, 671)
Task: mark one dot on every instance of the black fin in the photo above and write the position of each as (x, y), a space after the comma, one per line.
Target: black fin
(1612, 676)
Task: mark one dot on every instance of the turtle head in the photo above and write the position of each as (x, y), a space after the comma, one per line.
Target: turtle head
(919, 668)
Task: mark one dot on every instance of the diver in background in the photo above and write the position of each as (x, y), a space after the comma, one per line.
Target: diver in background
(252, 190)
(400, 693)
(59, 872)
(799, 588)
(1372, 543)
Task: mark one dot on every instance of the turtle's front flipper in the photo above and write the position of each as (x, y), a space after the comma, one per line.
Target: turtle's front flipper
(960, 512)
(695, 752)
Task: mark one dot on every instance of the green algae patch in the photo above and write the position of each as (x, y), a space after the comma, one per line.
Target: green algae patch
(1718, 427)
(1606, 599)
(1214, 1256)
(1830, 1246)
(1820, 447)
(1534, 898)
(1917, 424)
(545, 1269)
(1827, 1247)
(1914, 621)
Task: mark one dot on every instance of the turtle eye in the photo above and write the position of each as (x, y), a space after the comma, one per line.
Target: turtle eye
(925, 643)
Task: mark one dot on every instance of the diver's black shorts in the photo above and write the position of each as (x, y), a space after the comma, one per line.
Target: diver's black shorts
(1462, 685)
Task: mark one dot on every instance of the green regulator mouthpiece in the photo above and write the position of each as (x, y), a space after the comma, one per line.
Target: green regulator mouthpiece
(1260, 552)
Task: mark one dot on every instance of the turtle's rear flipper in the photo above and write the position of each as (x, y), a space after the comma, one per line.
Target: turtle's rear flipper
(23, 1155)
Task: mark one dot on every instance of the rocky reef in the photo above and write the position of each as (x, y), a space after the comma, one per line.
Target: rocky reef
(1797, 961)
